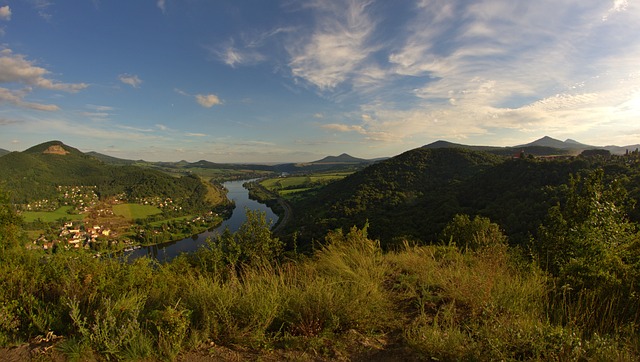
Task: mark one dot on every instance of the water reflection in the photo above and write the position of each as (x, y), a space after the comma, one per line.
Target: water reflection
(237, 193)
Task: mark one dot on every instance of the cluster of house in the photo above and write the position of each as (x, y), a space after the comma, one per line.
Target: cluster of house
(41, 205)
(166, 203)
(74, 236)
(81, 197)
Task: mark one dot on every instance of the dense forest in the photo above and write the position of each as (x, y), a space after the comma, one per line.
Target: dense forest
(413, 195)
(436, 254)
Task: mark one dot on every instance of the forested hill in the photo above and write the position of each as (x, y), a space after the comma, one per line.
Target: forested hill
(393, 194)
(413, 195)
(35, 173)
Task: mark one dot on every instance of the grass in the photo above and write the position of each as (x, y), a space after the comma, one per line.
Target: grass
(135, 211)
(293, 184)
(181, 218)
(347, 301)
(50, 216)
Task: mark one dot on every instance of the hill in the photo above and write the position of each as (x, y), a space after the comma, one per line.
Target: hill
(413, 195)
(3, 152)
(392, 194)
(534, 148)
(342, 159)
(547, 141)
(35, 174)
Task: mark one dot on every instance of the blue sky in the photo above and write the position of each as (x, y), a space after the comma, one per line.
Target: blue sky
(296, 80)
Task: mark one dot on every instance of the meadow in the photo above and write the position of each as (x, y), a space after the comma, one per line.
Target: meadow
(287, 186)
(51, 216)
(135, 211)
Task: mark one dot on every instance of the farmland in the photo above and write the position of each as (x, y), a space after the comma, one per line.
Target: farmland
(51, 216)
(288, 186)
(135, 211)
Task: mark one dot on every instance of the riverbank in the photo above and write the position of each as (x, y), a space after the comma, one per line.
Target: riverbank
(239, 196)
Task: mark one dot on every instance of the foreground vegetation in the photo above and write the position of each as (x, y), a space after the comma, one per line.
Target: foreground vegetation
(471, 297)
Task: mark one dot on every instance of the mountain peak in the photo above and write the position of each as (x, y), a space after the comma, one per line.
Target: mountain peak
(343, 158)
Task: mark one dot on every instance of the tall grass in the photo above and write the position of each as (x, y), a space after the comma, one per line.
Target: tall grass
(346, 300)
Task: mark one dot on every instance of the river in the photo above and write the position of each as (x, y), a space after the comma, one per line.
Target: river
(237, 193)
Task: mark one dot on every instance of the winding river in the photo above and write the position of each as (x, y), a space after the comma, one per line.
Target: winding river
(237, 193)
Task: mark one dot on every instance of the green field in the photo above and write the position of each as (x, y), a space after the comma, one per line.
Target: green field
(178, 219)
(135, 211)
(50, 216)
(292, 184)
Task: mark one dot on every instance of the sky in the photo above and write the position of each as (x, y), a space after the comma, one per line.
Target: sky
(297, 80)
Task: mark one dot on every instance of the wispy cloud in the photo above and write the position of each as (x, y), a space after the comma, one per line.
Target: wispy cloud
(42, 7)
(466, 70)
(248, 50)
(6, 121)
(130, 79)
(17, 98)
(233, 56)
(162, 5)
(337, 46)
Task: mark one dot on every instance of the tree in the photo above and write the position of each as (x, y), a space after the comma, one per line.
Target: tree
(252, 244)
(584, 234)
(472, 234)
(10, 223)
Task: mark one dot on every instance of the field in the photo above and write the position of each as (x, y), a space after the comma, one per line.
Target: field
(286, 186)
(50, 216)
(135, 211)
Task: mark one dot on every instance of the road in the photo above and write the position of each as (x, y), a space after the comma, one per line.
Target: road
(288, 212)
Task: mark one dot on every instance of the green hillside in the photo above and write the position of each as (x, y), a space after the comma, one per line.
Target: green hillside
(393, 195)
(413, 195)
(36, 173)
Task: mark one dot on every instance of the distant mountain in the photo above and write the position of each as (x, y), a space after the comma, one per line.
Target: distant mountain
(343, 158)
(547, 141)
(3, 152)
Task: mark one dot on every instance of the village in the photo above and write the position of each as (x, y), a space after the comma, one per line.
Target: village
(78, 219)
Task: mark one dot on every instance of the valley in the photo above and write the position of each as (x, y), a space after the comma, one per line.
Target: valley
(435, 253)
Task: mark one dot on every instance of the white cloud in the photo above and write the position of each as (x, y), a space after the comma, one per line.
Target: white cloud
(162, 5)
(14, 68)
(130, 79)
(337, 47)
(208, 100)
(5, 13)
(17, 98)
(618, 6)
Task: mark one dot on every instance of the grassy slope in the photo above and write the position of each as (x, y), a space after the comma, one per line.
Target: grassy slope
(349, 301)
(135, 211)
